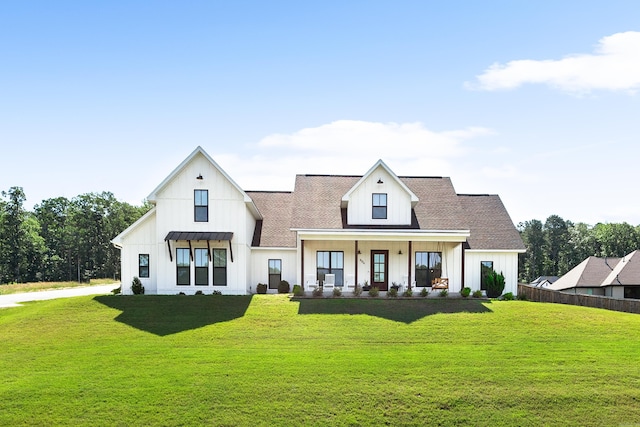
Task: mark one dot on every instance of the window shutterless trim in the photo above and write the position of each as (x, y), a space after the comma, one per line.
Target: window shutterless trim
(143, 267)
(201, 205)
(379, 206)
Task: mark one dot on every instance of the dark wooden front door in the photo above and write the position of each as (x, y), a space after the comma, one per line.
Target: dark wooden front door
(380, 269)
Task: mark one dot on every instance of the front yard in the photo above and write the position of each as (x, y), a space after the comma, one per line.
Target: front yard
(269, 360)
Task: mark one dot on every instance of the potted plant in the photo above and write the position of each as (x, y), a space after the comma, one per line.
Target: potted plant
(365, 286)
(395, 286)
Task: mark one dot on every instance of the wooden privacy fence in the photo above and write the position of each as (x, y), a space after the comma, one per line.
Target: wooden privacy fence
(596, 301)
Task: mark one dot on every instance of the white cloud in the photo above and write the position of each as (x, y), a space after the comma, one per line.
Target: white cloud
(615, 66)
(347, 147)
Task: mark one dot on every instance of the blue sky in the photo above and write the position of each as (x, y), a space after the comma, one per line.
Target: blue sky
(535, 101)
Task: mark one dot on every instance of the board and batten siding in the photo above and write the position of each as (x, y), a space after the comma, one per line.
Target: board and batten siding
(140, 240)
(503, 262)
(260, 266)
(398, 201)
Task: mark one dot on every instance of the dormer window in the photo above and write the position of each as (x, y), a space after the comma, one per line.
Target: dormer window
(379, 206)
(201, 205)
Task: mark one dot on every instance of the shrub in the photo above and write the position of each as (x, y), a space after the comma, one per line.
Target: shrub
(508, 296)
(495, 284)
(317, 292)
(357, 290)
(216, 292)
(181, 293)
(283, 287)
(424, 292)
(117, 290)
(136, 287)
(261, 288)
(408, 293)
(465, 292)
(199, 293)
(374, 291)
(337, 292)
(443, 293)
(297, 291)
(477, 294)
(392, 293)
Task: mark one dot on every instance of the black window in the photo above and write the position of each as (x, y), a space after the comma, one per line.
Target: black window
(201, 205)
(486, 267)
(428, 267)
(183, 264)
(219, 267)
(632, 292)
(379, 209)
(202, 267)
(275, 273)
(143, 265)
(330, 263)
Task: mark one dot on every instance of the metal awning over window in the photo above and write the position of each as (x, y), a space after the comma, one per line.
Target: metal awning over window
(190, 236)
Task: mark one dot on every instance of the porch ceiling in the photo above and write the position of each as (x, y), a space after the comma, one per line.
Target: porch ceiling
(387, 235)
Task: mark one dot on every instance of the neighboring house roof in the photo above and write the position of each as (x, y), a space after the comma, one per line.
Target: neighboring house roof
(544, 279)
(490, 224)
(274, 230)
(590, 273)
(626, 272)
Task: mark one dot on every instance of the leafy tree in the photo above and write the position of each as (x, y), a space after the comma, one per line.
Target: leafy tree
(532, 262)
(556, 241)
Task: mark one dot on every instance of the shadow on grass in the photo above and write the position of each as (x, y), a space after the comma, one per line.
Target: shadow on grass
(166, 315)
(399, 310)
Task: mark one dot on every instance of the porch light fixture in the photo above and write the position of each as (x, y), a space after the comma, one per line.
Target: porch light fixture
(199, 176)
(400, 252)
(380, 181)
(359, 252)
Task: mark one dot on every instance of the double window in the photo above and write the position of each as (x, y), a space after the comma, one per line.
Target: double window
(379, 206)
(143, 265)
(201, 205)
(329, 262)
(428, 267)
(201, 265)
(486, 268)
(275, 273)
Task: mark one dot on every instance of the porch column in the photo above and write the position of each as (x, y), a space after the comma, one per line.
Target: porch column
(356, 264)
(462, 256)
(302, 265)
(409, 266)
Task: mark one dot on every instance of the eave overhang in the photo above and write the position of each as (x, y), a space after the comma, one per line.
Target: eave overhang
(387, 235)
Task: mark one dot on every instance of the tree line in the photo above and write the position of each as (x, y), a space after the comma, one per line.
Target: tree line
(62, 239)
(556, 246)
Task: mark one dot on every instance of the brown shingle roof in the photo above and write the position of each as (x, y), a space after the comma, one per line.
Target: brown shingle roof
(489, 222)
(316, 204)
(274, 229)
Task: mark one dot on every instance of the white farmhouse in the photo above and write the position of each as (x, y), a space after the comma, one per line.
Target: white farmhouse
(206, 233)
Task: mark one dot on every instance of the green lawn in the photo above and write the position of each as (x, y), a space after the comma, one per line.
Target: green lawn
(268, 360)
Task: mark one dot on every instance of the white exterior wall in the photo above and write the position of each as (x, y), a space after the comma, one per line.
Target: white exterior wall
(398, 201)
(451, 261)
(259, 268)
(140, 241)
(503, 262)
(227, 213)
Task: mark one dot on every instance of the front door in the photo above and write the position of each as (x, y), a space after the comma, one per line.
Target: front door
(380, 269)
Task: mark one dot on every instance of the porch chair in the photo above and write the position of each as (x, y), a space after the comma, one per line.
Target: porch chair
(440, 283)
(311, 283)
(350, 284)
(329, 282)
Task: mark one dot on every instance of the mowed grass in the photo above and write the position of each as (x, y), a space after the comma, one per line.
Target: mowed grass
(269, 360)
(14, 288)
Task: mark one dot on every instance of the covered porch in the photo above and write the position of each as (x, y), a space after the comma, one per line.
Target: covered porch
(381, 258)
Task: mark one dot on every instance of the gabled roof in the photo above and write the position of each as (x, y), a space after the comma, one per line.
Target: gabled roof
(590, 273)
(379, 164)
(626, 272)
(117, 241)
(200, 151)
(274, 230)
(490, 224)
